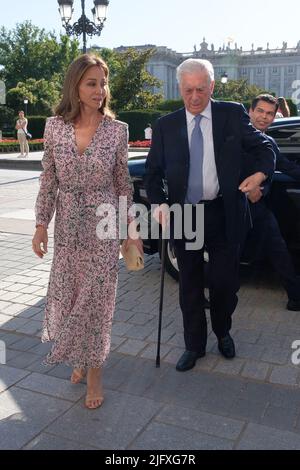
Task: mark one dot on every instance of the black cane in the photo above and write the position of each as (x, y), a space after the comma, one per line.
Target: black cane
(161, 298)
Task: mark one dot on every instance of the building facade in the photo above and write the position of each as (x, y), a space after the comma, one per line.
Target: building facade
(275, 70)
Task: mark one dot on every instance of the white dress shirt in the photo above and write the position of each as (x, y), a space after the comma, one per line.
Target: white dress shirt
(210, 179)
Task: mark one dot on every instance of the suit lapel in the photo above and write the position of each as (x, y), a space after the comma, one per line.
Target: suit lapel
(218, 122)
(183, 135)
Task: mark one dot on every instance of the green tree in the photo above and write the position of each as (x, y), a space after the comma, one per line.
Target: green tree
(170, 105)
(41, 94)
(29, 52)
(131, 84)
(113, 60)
(33, 64)
(237, 90)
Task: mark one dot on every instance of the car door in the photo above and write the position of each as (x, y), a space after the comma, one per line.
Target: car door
(285, 191)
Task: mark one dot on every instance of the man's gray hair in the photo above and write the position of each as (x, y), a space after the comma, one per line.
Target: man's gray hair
(195, 65)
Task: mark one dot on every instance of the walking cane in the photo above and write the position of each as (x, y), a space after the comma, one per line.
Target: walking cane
(161, 298)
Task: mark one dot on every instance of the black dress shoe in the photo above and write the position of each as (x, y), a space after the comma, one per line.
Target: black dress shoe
(226, 346)
(293, 305)
(188, 360)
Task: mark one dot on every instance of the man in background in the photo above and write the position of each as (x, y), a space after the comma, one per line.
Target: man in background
(265, 239)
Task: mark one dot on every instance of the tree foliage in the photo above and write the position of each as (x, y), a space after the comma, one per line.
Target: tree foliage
(41, 94)
(170, 105)
(33, 64)
(131, 84)
(113, 60)
(237, 90)
(29, 53)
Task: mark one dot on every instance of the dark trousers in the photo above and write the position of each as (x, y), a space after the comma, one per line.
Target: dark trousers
(265, 240)
(223, 280)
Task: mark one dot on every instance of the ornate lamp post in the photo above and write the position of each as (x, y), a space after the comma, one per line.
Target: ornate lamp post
(83, 26)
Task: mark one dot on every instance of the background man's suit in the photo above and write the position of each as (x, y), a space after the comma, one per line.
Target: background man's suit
(264, 238)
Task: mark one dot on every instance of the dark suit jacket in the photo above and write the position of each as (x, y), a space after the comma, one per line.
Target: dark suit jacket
(283, 164)
(232, 134)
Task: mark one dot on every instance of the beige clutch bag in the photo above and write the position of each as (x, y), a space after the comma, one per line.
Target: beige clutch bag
(133, 259)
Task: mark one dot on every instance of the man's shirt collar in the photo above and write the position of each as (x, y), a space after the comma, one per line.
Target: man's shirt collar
(206, 113)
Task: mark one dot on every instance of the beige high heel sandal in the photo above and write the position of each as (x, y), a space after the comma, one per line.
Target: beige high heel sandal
(93, 401)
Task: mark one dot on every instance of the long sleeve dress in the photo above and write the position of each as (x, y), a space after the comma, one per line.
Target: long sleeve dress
(82, 286)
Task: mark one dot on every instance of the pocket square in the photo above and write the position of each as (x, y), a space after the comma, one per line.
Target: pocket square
(133, 259)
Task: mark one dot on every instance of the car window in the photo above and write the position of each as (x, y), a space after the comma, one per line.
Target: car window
(288, 139)
(286, 134)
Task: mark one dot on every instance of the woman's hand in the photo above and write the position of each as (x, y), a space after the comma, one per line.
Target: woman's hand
(133, 237)
(40, 241)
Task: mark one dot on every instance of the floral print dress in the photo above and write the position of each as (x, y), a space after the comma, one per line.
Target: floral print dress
(82, 286)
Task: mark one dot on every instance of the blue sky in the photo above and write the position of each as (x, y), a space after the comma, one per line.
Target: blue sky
(177, 24)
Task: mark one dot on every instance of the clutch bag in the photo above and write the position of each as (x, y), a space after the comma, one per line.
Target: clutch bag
(133, 259)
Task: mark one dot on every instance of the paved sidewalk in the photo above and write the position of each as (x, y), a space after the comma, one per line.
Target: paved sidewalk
(12, 161)
(251, 402)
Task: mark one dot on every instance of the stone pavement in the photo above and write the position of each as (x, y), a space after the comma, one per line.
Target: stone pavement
(33, 161)
(251, 402)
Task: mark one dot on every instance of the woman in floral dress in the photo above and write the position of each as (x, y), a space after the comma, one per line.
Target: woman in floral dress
(84, 166)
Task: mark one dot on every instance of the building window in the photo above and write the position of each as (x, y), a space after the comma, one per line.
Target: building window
(291, 69)
(274, 70)
(259, 71)
(244, 71)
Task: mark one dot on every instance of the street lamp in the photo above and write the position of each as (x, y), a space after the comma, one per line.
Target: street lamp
(25, 103)
(224, 78)
(83, 26)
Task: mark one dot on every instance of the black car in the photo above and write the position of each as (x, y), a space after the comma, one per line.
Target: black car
(284, 195)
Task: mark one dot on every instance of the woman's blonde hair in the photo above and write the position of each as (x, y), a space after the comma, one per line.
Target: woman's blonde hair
(69, 107)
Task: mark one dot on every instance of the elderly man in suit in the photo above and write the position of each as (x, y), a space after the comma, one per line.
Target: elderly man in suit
(198, 151)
